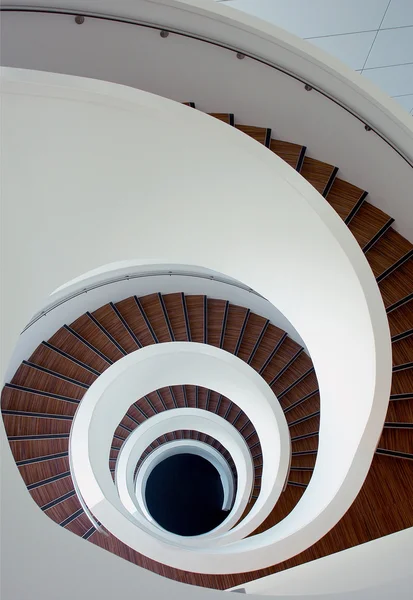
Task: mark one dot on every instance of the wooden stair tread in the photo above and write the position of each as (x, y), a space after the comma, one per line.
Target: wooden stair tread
(224, 117)
(66, 341)
(368, 222)
(27, 449)
(260, 134)
(30, 377)
(61, 511)
(287, 351)
(45, 357)
(401, 319)
(113, 324)
(390, 248)
(216, 312)
(153, 310)
(290, 153)
(253, 330)
(133, 317)
(89, 331)
(195, 309)
(402, 382)
(307, 386)
(397, 439)
(296, 370)
(397, 285)
(403, 351)
(270, 340)
(400, 411)
(318, 173)
(175, 310)
(18, 400)
(236, 316)
(344, 197)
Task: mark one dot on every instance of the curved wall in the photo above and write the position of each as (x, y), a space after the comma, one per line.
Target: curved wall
(288, 246)
(102, 49)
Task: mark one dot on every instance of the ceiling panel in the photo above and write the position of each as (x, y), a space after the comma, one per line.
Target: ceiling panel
(315, 18)
(405, 101)
(393, 80)
(399, 14)
(392, 47)
(352, 49)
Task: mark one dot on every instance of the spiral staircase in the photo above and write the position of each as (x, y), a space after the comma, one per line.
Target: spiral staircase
(40, 401)
(43, 397)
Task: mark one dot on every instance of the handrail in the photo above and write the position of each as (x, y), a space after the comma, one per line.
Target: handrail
(116, 279)
(309, 85)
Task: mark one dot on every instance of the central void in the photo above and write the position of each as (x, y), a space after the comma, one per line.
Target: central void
(184, 495)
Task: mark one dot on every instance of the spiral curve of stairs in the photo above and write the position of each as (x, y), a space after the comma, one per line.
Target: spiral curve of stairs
(39, 403)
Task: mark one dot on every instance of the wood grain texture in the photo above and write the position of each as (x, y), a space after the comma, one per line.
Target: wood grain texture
(287, 151)
(257, 133)
(401, 319)
(397, 285)
(90, 332)
(317, 173)
(113, 324)
(343, 197)
(390, 248)
(175, 310)
(153, 310)
(368, 221)
(45, 357)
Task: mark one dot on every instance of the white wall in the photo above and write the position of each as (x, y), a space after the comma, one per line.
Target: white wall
(385, 562)
(185, 69)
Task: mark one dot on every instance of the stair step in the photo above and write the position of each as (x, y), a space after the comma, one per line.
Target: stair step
(30, 377)
(345, 198)
(399, 440)
(253, 333)
(269, 344)
(398, 285)
(90, 332)
(403, 351)
(298, 369)
(287, 353)
(224, 117)
(368, 225)
(260, 134)
(235, 321)
(293, 154)
(66, 341)
(401, 319)
(110, 319)
(195, 308)
(321, 175)
(175, 309)
(132, 315)
(46, 357)
(35, 474)
(64, 509)
(151, 306)
(402, 382)
(216, 321)
(28, 449)
(25, 400)
(387, 252)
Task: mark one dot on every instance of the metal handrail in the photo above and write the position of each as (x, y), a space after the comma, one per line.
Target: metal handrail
(239, 51)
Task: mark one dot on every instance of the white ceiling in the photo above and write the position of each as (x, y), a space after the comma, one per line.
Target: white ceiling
(374, 37)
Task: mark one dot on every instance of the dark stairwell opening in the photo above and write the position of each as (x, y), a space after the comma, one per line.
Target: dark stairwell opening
(184, 495)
